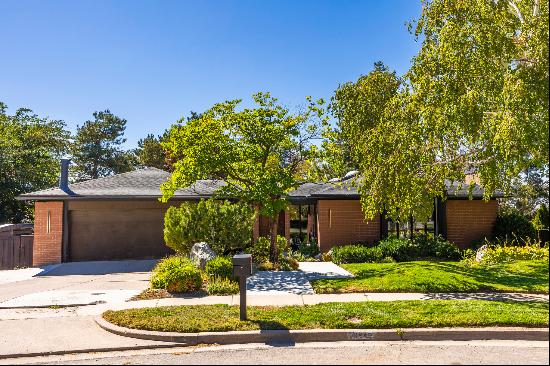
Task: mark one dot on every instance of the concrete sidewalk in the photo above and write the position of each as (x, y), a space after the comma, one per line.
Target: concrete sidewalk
(258, 300)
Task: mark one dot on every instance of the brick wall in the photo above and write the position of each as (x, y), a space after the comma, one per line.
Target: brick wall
(47, 246)
(469, 220)
(341, 222)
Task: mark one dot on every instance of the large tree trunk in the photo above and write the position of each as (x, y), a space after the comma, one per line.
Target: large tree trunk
(273, 250)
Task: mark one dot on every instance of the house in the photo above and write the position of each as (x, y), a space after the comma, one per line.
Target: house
(120, 216)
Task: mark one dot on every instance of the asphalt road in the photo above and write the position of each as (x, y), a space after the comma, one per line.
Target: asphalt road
(417, 352)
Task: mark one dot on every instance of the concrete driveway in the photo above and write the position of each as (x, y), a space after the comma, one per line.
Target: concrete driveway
(76, 283)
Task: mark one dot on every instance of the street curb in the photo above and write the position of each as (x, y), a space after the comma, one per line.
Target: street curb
(332, 335)
(54, 306)
(87, 350)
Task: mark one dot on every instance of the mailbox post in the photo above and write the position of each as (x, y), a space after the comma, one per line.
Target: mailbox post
(242, 268)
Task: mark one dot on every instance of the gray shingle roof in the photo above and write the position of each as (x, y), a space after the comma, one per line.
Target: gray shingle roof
(140, 183)
(348, 189)
(145, 184)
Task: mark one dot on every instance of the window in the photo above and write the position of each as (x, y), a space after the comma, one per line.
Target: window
(302, 223)
(403, 229)
(48, 222)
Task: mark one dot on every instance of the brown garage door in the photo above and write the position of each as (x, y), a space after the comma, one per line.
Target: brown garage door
(100, 234)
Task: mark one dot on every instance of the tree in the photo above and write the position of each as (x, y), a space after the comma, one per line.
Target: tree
(96, 150)
(475, 99)
(150, 152)
(256, 151)
(358, 107)
(542, 218)
(30, 149)
(529, 191)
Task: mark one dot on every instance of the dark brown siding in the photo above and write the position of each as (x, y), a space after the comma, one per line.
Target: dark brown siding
(113, 230)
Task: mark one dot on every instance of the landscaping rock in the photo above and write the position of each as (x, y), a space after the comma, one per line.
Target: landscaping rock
(481, 252)
(201, 254)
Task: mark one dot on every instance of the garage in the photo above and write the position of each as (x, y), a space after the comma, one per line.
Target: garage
(115, 230)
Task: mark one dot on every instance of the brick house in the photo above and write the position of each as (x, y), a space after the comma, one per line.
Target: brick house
(120, 217)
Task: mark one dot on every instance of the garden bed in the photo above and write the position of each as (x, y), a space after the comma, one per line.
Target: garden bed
(355, 315)
(434, 276)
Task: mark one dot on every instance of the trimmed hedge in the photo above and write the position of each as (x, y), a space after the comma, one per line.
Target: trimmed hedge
(356, 254)
(398, 249)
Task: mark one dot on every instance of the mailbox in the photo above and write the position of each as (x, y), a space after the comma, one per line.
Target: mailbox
(242, 265)
(242, 268)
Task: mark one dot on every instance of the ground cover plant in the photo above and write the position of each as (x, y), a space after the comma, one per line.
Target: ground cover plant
(358, 315)
(431, 276)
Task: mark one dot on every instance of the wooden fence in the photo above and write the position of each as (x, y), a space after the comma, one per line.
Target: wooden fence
(16, 251)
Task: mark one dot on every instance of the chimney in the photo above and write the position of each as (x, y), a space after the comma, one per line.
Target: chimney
(64, 177)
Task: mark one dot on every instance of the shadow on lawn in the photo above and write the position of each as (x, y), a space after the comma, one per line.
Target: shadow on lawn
(492, 296)
(531, 277)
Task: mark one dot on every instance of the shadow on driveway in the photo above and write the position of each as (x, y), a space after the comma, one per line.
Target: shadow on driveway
(101, 267)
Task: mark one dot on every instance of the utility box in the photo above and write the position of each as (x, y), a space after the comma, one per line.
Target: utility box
(242, 268)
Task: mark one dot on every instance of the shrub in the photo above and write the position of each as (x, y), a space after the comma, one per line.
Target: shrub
(225, 226)
(511, 223)
(541, 219)
(222, 286)
(401, 249)
(356, 254)
(220, 267)
(437, 248)
(502, 254)
(326, 257)
(288, 264)
(260, 250)
(283, 245)
(267, 266)
(309, 249)
(176, 274)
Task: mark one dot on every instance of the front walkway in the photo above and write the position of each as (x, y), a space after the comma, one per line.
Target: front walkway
(294, 282)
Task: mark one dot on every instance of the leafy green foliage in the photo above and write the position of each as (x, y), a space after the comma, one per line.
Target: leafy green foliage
(420, 247)
(150, 152)
(260, 250)
(476, 98)
(542, 218)
(308, 249)
(397, 249)
(356, 254)
(511, 223)
(257, 152)
(225, 226)
(222, 286)
(221, 267)
(504, 254)
(288, 264)
(97, 151)
(30, 149)
(176, 274)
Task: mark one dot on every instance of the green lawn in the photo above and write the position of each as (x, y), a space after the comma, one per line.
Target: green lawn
(358, 315)
(427, 276)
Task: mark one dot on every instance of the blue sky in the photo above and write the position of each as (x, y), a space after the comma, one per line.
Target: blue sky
(152, 62)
